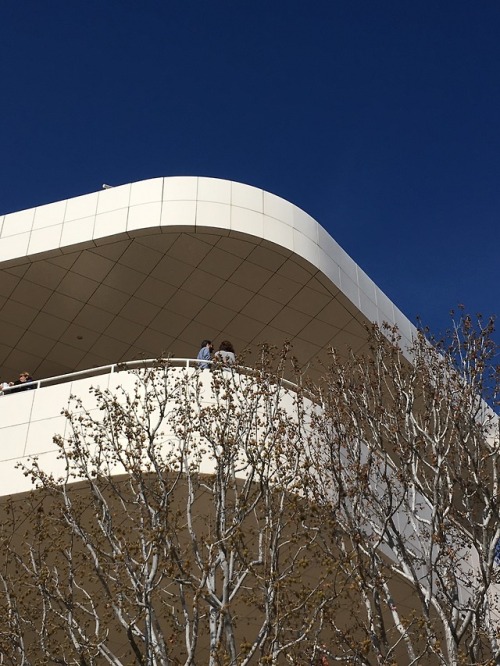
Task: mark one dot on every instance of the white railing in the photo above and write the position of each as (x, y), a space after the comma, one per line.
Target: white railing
(136, 365)
(103, 370)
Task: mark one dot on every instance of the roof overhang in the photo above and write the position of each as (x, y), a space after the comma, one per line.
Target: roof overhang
(153, 267)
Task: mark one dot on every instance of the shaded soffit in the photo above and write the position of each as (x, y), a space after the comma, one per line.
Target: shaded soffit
(158, 287)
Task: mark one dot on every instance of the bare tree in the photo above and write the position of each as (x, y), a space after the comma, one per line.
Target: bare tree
(177, 534)
(404, 464)
(231, 518)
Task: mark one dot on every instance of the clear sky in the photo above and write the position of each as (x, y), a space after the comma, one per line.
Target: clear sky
(379, 118)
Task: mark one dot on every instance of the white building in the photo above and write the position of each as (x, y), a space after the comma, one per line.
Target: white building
(148, 270)
(152, 268)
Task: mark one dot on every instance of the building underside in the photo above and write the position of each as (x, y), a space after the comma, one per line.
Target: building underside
(154, 267)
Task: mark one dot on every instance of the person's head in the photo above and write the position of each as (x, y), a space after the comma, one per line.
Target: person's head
(207, 343)
(225, 345)
(24, 376)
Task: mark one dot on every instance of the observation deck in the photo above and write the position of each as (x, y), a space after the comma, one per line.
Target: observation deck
(30, 419)
(148, 270)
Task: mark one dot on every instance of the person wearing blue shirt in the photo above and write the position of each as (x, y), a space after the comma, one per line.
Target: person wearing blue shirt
(205, 354)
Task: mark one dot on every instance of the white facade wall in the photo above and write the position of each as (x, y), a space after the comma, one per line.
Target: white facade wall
(30, 419)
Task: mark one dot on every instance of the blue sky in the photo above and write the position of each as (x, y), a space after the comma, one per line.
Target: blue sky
(380, 119)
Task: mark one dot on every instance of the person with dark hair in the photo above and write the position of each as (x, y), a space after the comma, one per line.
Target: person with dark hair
(205, 354)
(226, 354)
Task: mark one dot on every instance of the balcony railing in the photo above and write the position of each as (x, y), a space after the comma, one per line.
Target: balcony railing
(137, 365)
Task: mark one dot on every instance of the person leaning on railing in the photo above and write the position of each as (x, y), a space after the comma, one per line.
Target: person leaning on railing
(205, 354)
(24, 383)
(226, 354)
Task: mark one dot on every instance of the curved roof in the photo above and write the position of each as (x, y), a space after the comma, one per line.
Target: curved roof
(153, 267)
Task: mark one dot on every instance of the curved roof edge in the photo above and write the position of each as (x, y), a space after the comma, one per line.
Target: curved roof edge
(192, 205)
